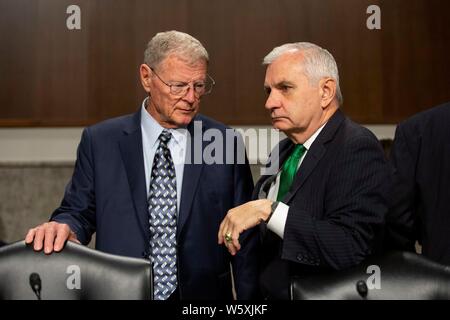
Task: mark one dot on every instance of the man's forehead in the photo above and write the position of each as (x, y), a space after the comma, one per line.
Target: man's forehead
(184, 61)
(283, 70)
(276, 77)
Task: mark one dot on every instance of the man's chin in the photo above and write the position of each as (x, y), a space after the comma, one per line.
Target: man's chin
(184, 120)
(280, 124)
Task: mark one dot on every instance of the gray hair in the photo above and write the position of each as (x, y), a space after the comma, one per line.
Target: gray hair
(318, 62)
(174, 42)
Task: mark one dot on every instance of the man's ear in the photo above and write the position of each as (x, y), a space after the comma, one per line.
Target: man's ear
(327, 91)
(146, 76)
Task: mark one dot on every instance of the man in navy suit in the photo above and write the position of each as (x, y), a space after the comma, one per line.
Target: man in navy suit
(109, 190)
(324, 209)
(420, 198)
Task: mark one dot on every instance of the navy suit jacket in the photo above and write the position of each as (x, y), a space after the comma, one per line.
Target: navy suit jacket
(420, 200)
(107, 195)
(337, 205)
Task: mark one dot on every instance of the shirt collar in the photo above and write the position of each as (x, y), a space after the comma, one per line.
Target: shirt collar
(311, 139)
(153, 129)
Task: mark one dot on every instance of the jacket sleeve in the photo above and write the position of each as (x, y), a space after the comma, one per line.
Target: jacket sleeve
(77, 208)
(246, 262)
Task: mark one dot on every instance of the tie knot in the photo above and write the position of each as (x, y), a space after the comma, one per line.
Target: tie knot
(165, 136)
(298, 150)
(292, 162)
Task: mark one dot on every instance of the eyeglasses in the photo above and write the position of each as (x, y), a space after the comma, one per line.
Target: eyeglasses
(178, 88)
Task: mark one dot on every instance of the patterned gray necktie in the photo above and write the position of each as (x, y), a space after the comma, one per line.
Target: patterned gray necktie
(163, 224)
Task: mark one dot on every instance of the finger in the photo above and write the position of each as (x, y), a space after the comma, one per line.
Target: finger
(49, 237)
(38, 238)
(63, 233)
(229, 245)
(236, 243)
(220, 232)
(231, 248)
(224, 230)
(74, 238)
(30, 236)
(235, 238)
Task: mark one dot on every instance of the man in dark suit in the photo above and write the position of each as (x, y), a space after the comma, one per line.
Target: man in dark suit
(324, 209)
(420, 198)
(142, 184)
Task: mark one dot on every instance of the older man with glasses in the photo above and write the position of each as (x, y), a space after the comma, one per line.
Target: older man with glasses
(135, 184)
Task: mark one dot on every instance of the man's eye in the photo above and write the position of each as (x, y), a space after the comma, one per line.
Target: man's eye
(267, 90)
(285, 88)
(199, 85)
(179, 85)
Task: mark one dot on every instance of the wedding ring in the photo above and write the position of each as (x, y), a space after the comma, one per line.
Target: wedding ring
(228, 237)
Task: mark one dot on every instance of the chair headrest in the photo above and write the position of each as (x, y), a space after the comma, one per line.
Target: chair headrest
(77, 272)
(395, 275)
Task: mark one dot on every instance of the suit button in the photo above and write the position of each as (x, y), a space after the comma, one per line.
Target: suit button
(300, 258)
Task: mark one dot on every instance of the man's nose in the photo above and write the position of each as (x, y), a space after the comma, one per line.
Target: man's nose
(272, 101)
(190, 94)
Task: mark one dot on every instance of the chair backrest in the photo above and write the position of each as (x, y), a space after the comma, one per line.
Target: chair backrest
(76, 272)
(393, 276)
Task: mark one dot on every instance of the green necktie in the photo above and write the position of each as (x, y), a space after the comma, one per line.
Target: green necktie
(289, 170)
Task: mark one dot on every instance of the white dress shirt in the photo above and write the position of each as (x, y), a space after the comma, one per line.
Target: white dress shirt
(151, 130)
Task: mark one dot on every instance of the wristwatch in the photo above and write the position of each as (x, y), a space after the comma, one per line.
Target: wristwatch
(272, 210)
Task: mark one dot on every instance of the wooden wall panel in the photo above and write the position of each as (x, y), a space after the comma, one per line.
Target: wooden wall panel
(416, 51)
(51, 76)
(17, 60)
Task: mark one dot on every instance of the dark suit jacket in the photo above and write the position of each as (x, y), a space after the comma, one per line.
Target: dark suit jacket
(420, 203)
(337, 205)
(107, 194)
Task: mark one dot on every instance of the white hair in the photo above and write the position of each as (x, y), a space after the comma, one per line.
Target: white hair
(174, 42)
(318, 63)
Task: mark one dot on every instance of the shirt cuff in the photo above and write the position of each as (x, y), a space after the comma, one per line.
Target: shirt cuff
(278, 220)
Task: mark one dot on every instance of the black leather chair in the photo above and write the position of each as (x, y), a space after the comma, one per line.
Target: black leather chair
(402, 275)
(76, 272)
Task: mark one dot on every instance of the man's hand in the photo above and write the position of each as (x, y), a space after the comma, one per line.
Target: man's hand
(52, 235)
(240, 219)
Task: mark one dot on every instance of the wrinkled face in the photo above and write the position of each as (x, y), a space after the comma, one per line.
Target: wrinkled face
(170, 110)
(293, 103)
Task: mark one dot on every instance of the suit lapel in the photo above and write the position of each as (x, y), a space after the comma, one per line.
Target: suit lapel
(277, 157)
(315, 153)
(132, 155)
(192, 170)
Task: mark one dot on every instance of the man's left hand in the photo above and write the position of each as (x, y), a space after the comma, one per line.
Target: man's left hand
(240, 219)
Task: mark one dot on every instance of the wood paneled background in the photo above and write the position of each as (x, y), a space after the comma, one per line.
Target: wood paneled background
(52, 76)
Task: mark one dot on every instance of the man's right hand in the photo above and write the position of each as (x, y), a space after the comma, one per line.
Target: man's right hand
(51, 235)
